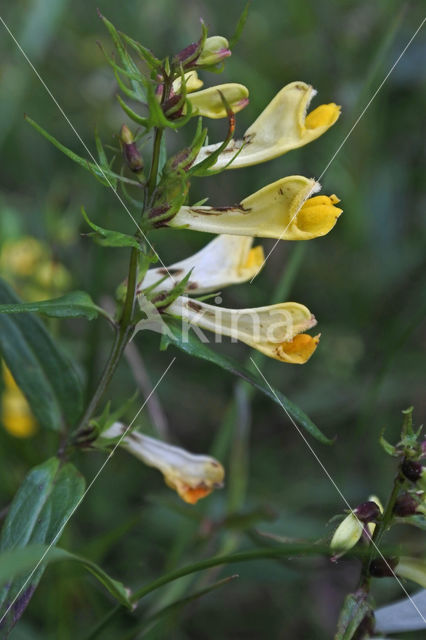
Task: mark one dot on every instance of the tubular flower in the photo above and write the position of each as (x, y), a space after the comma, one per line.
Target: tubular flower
(193, 476)
(224, 261)
(209, 103)
(280, 210)
(275, 330)
(281, 127)
(16, 414)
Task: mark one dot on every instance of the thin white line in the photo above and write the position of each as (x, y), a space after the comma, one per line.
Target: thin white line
(86, 491)
(347, 136)
(83, 143)
(301, 434)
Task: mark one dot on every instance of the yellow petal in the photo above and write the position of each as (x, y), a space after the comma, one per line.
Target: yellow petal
(372, 525)
(224, 261)
(271, 212)
(193, 476)
(317, 216)
(16, 414)
(298, 350)
(323, 116)
(192, 82)
(281, 127)
(208, 103)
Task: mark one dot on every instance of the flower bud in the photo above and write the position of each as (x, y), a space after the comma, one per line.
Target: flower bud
(346, 535)
(405, 505)
(383, 567)
(367, 511)
(411, 469)
(131, 153)
(215, 49)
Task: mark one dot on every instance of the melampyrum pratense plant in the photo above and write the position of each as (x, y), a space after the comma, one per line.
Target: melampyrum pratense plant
(41, 385)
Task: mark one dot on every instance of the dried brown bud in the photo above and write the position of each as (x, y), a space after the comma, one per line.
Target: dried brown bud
(367, 511)
(411, 469)
(383, 567)
(405, 505)
(131, 153)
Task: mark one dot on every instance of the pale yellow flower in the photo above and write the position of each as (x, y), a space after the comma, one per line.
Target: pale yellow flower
(193, 476)
(281, 127)
(280, 210)
(224, 261)
(275, 330)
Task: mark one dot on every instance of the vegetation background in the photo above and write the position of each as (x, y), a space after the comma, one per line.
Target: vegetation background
(364, 282)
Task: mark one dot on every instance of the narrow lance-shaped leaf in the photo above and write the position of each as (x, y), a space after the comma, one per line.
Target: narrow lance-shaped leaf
(46, 376)
(71, 305)
(104, 174)
(38, 513)
(108, 238)
(192, 345)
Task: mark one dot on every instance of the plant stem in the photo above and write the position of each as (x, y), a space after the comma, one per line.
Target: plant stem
(125, 326)
(381, 528)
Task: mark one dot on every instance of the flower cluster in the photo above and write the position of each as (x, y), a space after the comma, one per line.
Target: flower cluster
(287, 209)
(160, 95)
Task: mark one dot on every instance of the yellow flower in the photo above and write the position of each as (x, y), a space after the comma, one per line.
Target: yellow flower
(20, 257)
(193, 476)
(279, 210)
(16, 414)
(281, 127)
(224, 261)
(208, 102)
(275, 330)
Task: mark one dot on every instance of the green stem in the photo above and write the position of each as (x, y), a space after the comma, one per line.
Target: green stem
(381, 528)
(152, 180)
(125, 326)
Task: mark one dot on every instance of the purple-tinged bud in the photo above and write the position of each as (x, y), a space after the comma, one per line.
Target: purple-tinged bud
(131, 153)
(188, 54)
(367, 511)
(423, 446)
(405, 505)
(383, 568)
(215, 49)
(411, 469)
(171, 107)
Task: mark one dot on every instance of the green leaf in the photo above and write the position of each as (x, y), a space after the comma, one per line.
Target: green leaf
(39, 511)
(108, 238)
(46, 376)
(387, 446)
(192, 345)
(126, 59)
(355, 608)
(104, 174)
(17, 561)
(72, 305)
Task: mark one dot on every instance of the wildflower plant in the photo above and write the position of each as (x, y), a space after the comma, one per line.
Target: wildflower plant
(42, 384)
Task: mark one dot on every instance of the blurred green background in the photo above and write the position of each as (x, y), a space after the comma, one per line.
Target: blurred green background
(364, 282)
